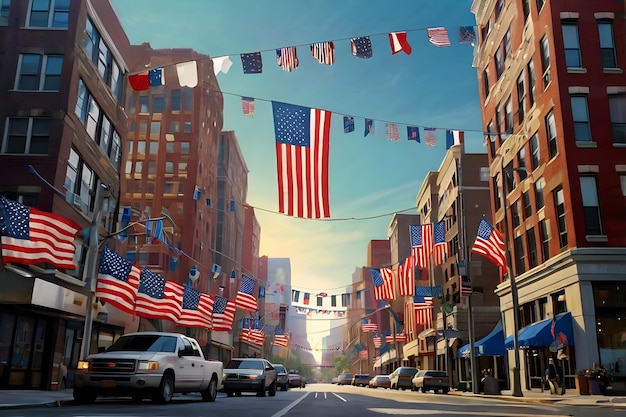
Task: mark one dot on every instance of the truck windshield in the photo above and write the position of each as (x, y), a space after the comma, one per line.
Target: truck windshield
(144, 343)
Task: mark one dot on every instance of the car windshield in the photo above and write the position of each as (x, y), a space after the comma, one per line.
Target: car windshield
(383, 378)
(144, 343)
(435, 373)
(408, 371)
(280, 369)
(244, 364)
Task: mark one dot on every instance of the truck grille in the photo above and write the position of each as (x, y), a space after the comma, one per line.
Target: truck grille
(113, 366)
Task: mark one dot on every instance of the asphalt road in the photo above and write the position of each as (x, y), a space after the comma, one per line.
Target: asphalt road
(320, 400)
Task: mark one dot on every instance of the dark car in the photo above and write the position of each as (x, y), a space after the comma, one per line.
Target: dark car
(344, 378)
(380, 381)
(427, 380)
(249, 375)
(361, 380)
(295, 379)
(282, 381)
(402, 377)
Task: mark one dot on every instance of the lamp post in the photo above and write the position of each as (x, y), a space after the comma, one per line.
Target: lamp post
(517, 383)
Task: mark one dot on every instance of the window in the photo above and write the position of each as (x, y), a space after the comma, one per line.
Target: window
(559, 204)
(551, 133)
(158, 104)
(49, 13)
(176, 100)
(508, 117)
(515, 213)
(143, 126)
(169, 167)
(5, 8)
(533, 258)
(188, 99)
(534, 152)
(507, 44)
(520, 252)
(39, 72)
(143, 104)
(528, 208)
(169, 147)
(521, 98)
(499, 7)
(154, 148)
(486, 83)
(545, 61)
(499, 60)
(571, 44)
(110, 142)
(174, 127)
(607, 44)
(526, 9)
(580, 115)
(521, 162)
(82, 181)
(184, 147)
(591, 207)
(539, 198)
(540, 5)
(102, 58)
(617, 106)
(545, 240)
(151, 167)
(622, 181)
(530, 69)
(187, 127)
(27, 136)
(155, 128)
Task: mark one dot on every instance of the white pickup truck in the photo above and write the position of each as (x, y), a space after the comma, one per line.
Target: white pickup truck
(148, 364)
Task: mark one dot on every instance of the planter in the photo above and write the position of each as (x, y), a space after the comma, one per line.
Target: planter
(582, 385)
(595, 387)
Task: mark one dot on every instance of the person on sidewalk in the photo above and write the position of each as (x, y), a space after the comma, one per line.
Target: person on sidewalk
(554, 378)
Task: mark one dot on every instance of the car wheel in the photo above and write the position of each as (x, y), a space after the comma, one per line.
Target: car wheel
(272, 390)
(137, 398)
(423, 389)
(210, 393)
(84, 396)
(230, 394)
(261, 391)
(446, 390)
(237, 393)
(165, 391)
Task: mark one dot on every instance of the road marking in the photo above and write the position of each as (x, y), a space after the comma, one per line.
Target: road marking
(290, 406)
(339, 396)
(404, 412)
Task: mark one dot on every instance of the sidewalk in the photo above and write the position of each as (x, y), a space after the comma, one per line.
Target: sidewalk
(33, 398)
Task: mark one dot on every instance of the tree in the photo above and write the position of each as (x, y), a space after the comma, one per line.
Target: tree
(341, 363)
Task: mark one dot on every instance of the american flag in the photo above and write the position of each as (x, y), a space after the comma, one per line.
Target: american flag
(392, 132)
(281, 338)
(467, 34)
(383, 283)
(440, 247)
(223, 314)
(465, 285)
(324, 52)
(156, 77)
(413, 133)
(438, 36)
(430, 137)
(368, 326)
(245, 296)
(399, 43)
(378, 340)
(254, 336)
(348, 124)
(489, 244)
(158, 298)
(118, 281)
(361, 47)
(31, 236)
(423, 308)
(287, 58)
(302, 149)
(400, 337)
(406, 276)
(421, 244)
(197, 309)
(369, 127)
(252, 63)
(247, 105)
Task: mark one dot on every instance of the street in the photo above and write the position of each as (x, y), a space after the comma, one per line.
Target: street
(322, 400)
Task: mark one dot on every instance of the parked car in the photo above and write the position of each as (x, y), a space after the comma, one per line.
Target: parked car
(344, 378)
(282, 381)
(360, 380)
(431, 380)
(380, 381)
(249, 375)
(295, 379)
(334, 380)
(402, 377)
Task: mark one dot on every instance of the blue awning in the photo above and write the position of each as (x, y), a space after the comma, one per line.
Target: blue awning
(542, 334)
(490, 345)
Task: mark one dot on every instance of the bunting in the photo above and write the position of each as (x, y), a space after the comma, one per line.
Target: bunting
(430, 136)
(406, 276)
(223, 314)
(158, 298)
(197, 309)
(118, 281)
(361, 47)
(287, 58)
(413, 133)
(245, 298)
(324, 52)
(392, 132)
(399, 43)
(383, 283)
(438, 36)
(281, 338)
(421, 237)
(247, 105)
(440, 247)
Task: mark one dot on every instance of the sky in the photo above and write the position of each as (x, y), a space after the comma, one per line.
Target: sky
(370, 177)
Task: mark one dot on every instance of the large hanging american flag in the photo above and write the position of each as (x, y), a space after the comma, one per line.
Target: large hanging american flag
(423, 308)
(158, 298)
(245, 296)
(197, 309)
(383, 283)
(223, 314)
(31, 236)
(440, 247)
(406, 276)
(118, 281)
(281, 338)
(302, 149)
(489, 244)
(421, 244)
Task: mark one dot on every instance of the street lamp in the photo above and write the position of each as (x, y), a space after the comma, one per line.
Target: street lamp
(517, 383)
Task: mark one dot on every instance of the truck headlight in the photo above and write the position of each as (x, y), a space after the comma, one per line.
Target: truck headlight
(83, 365)
(148, 366)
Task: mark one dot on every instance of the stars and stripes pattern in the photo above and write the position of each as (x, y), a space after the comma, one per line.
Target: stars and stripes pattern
(489, 244)
(287, 58)
(252, 63)
(430, 137)
(247, 106)
(383, 283)
(465, 286)
(378, 340)
(158, 298)
(399, 338)
(281, 338)
(392, 132)
(118, 281)
(423, 309)
(31, 236)
(197, 309)
(421, 237)
(440, 247)
(361, 47)
(245, 296)
(324, 52)
(406, 276)
(368, 326)
(438, 36)
(223, 314)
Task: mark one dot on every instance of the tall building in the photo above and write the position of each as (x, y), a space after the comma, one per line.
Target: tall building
(61, 113)
(553, 90)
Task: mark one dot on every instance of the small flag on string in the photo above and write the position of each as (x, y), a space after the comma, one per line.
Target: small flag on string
(221, 64)
(438, 36)
(392, 132)
(247, 104)
(324, 52)
(348, 124)
(139, 82)
(466, 286)
(430, 137)
(413, 133)
(454, 137)
(467, 35)
(187, 74)
(361, 47)
(156, 77)
(399, 43)
(252, 63)
(287, 58)
(369, 127)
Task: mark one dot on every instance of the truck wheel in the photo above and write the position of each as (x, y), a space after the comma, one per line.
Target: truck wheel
(165, 391)
(283, 388)
(272, 390)
(210, 393)
(84, 396)
(261, 391)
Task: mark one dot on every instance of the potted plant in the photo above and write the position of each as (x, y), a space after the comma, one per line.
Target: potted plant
(582, 381)
(600, 378)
